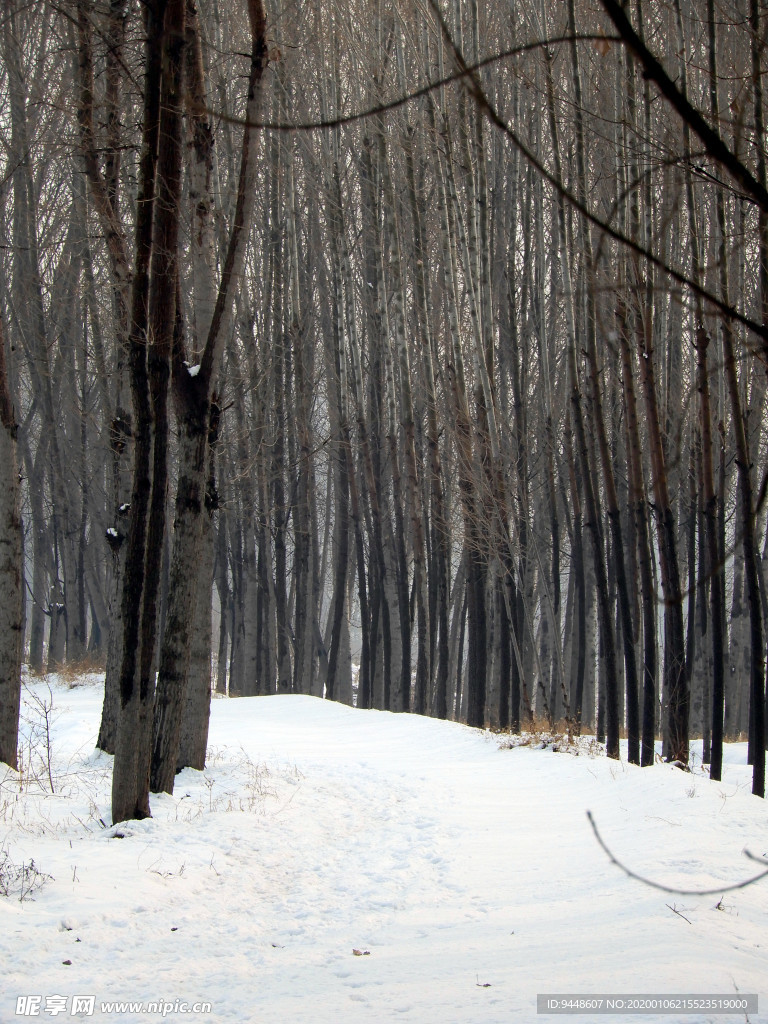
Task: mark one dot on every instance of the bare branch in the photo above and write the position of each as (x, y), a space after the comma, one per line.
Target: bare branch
(476, 90)
(669, 888)
(711, 138)
(401, 101)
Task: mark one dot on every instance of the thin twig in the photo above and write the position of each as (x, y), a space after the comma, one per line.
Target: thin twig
(676, 911)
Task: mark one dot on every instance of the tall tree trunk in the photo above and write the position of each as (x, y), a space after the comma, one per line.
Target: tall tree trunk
(130, 778)
(714, 567)
(11, 606)
(193, 741)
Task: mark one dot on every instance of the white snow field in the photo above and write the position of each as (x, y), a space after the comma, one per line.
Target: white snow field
(343, 866)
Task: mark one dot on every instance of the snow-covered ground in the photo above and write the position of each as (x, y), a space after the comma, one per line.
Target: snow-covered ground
(335, 865)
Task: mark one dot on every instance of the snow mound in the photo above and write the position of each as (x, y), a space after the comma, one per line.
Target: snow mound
(345, 866)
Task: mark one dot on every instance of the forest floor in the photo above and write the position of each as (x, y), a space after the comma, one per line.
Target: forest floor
(343, 866)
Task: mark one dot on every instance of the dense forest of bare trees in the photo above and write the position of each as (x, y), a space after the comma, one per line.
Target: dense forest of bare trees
(413, 355)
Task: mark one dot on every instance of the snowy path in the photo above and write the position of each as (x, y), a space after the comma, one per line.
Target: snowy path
(468, 874)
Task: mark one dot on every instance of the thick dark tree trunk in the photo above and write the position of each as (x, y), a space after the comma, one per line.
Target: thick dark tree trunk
(638, 510)
(173, 666)
(152, 306)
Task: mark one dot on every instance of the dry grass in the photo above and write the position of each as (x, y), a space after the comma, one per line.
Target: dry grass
(539, 735)
(75, 673)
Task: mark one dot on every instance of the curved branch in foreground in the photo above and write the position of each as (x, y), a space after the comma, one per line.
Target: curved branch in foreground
(400, 101)
(669, 888)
